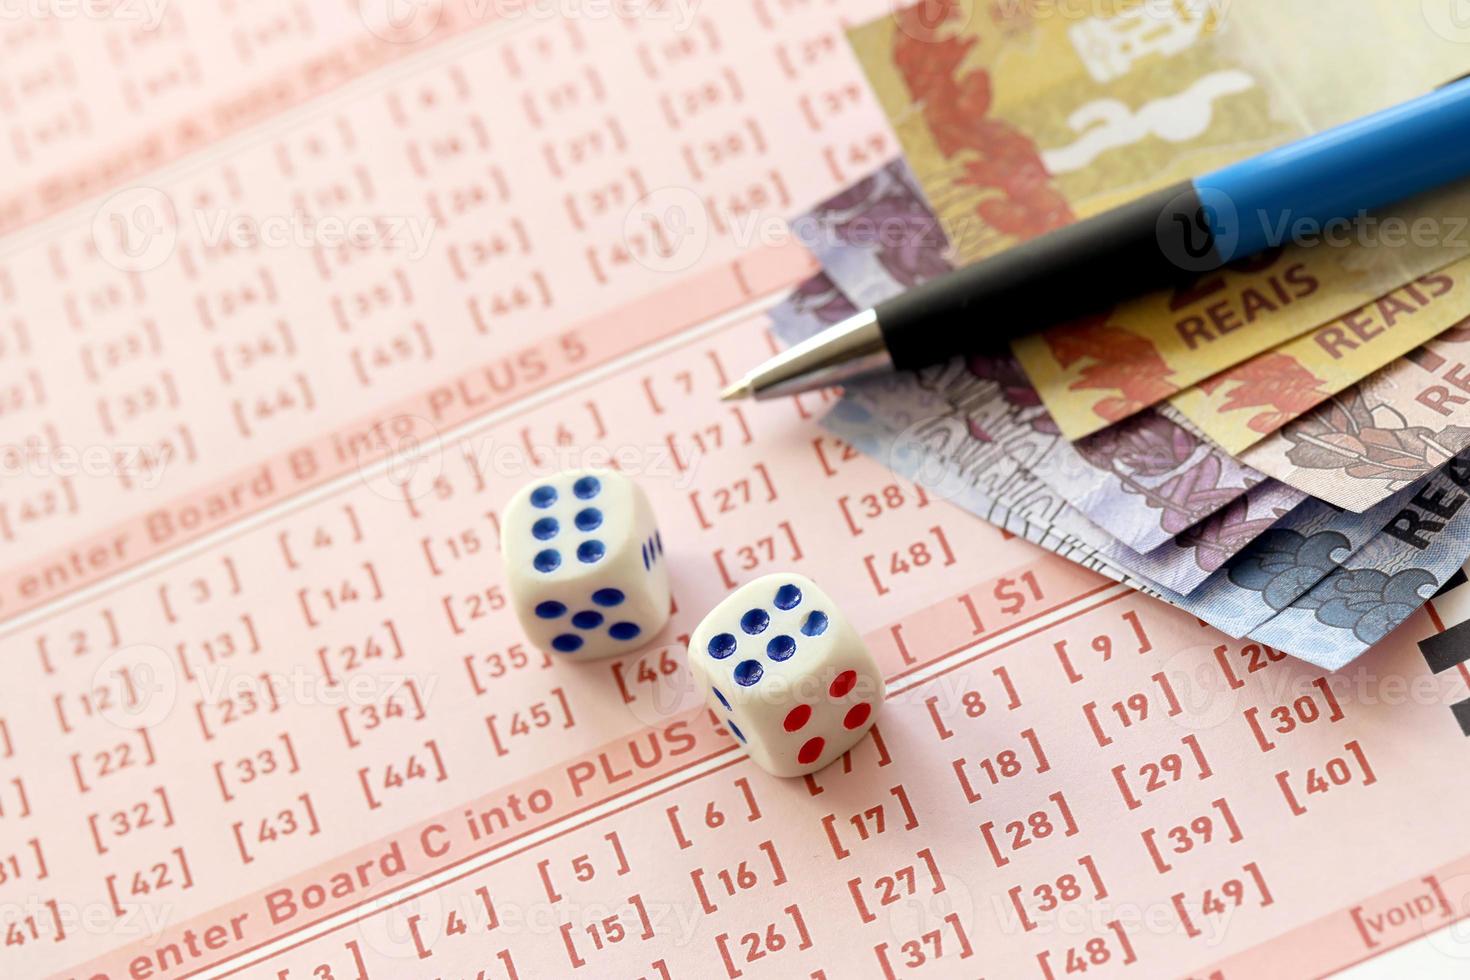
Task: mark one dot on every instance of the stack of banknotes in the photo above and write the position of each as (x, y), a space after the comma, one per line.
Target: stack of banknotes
(1282, 448)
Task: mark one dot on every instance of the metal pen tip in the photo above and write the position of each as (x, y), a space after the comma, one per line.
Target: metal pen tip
(737, 391)
(846, 350)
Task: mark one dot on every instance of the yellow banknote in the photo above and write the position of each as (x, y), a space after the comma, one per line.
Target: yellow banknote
(1241, 406)
(1021, 116)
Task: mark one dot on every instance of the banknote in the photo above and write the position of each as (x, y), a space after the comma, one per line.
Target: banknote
(1017, 121)
(900, 404)
(1274, 571)
(812, 306)
(1144, 480)
(1365, 443)
(907, 406)
(1282, 564)
(1237, 408)
(1360, 602)
(928, 452)
(1033, 511)
(878, 237)
(1186, 561)
(1280, 552)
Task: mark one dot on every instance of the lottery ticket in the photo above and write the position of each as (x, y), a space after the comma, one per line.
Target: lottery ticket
(293, 299)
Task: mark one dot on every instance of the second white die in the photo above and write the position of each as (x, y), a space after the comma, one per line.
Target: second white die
(785, 671)
(585, 564)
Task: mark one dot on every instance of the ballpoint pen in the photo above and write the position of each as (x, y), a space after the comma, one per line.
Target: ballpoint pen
(1157, 241)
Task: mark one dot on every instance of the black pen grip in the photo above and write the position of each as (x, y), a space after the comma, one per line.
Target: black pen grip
(1081, 269)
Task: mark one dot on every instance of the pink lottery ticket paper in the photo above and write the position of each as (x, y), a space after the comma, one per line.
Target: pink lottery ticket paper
(294, 296)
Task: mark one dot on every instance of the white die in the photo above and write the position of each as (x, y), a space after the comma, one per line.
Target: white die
(786, 672)
(584, 560)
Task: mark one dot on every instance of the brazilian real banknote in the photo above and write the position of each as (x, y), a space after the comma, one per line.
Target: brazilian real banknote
(1390, 429)
(1283, 571)
(1363, 599)
(1149, 481)
(1018, 121)
(897, 420)
(1273, 578)
(1322, 584)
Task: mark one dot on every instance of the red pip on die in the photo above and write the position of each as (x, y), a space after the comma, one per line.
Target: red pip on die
(786, 673)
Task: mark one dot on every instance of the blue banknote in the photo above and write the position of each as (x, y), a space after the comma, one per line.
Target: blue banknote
(1359, 602)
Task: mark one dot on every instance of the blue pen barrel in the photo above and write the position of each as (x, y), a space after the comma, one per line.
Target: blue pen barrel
(1365, 164)
(1311, 188)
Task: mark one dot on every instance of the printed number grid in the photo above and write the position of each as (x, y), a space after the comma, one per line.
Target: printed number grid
(310, 743)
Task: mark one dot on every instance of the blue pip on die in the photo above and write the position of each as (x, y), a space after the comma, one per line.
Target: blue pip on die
(783, 669)
(585, 564)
